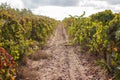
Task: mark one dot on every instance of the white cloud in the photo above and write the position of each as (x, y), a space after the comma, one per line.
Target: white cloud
(14, 3)
(37, 3)
(63, 9)
(113, 2)
(62, 12)
(93, 3)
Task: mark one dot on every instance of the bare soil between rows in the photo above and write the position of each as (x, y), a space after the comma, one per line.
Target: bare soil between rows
(60, 61)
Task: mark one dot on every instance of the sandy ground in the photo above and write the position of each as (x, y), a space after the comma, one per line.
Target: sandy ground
(65, 62)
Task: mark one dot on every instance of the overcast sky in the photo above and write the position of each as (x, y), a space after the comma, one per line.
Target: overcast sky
(60, 9)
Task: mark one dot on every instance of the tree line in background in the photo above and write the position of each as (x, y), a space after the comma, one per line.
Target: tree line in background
(100, 34)
(21, 33)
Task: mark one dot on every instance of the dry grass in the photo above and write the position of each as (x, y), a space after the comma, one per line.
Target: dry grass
(23, 61)
(25, 73)
(39, 55)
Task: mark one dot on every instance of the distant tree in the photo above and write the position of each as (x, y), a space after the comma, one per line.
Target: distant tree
(5, 6)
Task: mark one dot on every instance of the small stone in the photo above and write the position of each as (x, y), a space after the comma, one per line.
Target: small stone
(90, 77)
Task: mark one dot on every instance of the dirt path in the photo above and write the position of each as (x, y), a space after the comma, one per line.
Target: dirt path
(65, 62)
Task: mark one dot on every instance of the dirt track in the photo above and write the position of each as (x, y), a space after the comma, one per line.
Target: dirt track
(65, 62)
